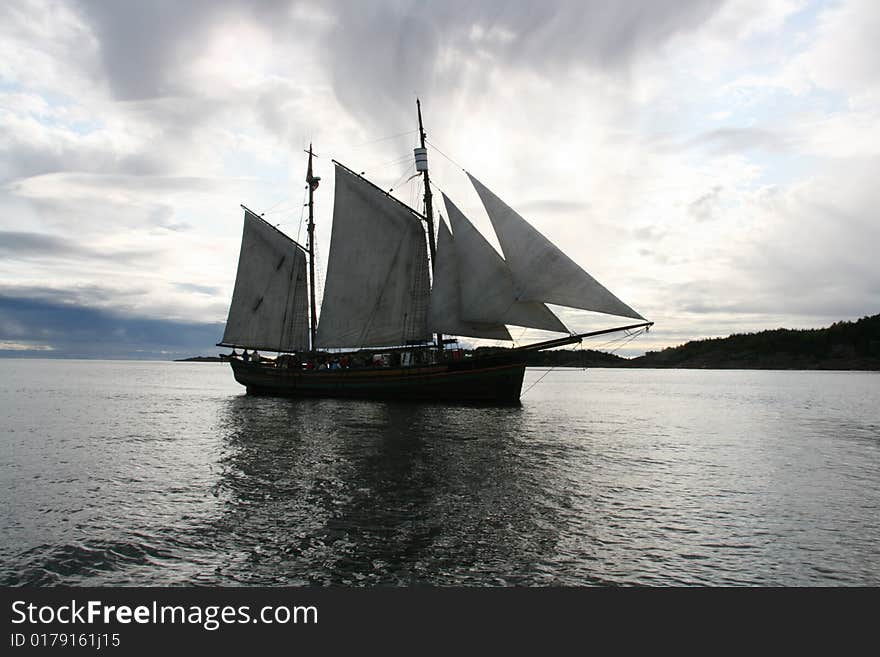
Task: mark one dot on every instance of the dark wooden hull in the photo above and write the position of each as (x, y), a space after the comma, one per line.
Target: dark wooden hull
(493, 379)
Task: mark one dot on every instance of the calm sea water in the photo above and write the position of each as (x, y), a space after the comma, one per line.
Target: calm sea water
(133, 473)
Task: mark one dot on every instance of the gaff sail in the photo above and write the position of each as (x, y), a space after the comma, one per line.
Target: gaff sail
(377, 286)
(269, 308)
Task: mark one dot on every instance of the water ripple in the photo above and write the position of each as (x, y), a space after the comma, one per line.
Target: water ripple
(165, 474)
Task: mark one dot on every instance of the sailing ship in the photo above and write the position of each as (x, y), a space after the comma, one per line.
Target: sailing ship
(386, 307)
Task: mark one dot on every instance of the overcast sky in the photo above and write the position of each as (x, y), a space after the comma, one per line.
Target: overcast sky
(715, 164)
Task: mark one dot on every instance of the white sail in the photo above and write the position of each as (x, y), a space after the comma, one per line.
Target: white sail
(444, 309)
(540, 270)
(269, 302)
(488, 294)
(377, 286)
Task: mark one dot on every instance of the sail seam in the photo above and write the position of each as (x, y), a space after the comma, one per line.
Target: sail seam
(361, 339)
(290, 301)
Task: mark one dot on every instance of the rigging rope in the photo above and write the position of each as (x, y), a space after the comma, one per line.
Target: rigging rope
(302, 210)
(401, 179)
(400, 160)
(274, 205)
(538, 381)
(629, 337)
(373, 141)
(437, 148)
(624, 340)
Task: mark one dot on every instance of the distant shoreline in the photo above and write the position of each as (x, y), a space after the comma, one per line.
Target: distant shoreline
(630, 364)
(202, 359)
(843, 346)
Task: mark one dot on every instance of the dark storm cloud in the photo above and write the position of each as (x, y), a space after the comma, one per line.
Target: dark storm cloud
(384, 53)
(381, 54)
(15, 243)
(82, 295)
(157, 109)
(23, 156)
(377, 56)
(75, 331)
(173, 125)
(21, 245)
(142, 44)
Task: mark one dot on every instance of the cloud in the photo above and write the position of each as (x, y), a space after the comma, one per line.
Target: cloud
(49, 47)
(814, 243)
(20, 346)
(74, 331)
(20, 245)
(458, 47)
(100, 297)
(843, 56)
(733, 140)
(209, 290)
(713, 163)
(702, 209)
(554, 206)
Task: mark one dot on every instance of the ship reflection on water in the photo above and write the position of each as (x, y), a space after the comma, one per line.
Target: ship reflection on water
(342, 492)
(164, 474)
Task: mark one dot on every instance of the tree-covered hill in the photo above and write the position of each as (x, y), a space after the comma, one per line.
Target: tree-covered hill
(843, 345)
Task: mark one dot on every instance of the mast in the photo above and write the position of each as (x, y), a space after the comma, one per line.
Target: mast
(313, 317)
(422, 165)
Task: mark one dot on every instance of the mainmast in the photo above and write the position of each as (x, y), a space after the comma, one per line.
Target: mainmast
(422, 165)
(313, 185)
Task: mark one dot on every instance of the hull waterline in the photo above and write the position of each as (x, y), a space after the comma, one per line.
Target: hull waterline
(482, 380)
